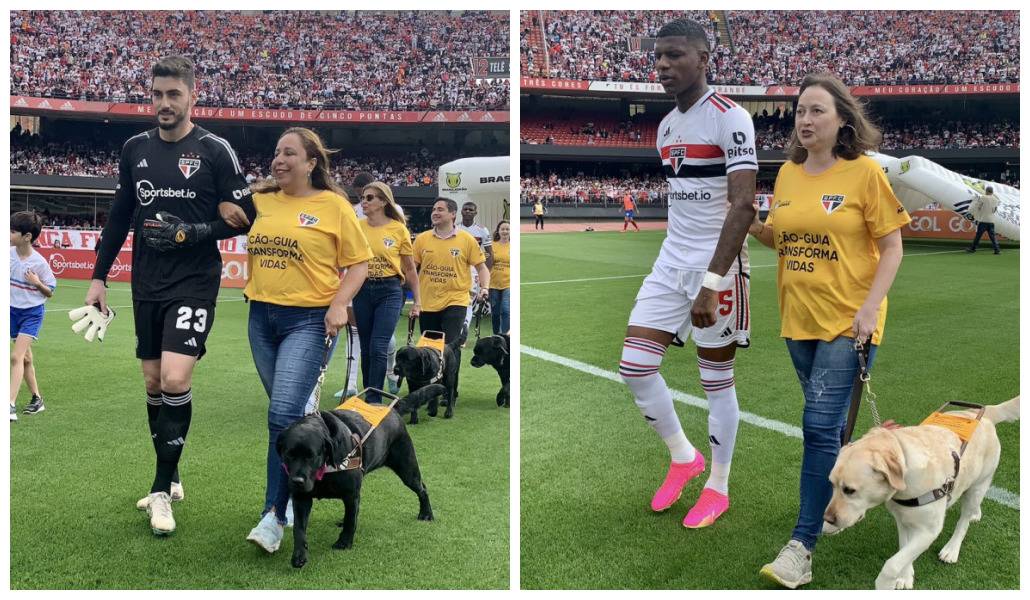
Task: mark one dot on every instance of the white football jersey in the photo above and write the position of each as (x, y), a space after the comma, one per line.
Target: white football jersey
(698, 148)
(482, 234)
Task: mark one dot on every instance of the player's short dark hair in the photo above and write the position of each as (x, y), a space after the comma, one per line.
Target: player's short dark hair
(27, 221)
(687, 28)
(468, 203)
(362, 179)
(177, 66)
(990, 190)
(452, 206)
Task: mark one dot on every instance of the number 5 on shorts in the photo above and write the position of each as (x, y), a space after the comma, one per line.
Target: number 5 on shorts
(186, 314)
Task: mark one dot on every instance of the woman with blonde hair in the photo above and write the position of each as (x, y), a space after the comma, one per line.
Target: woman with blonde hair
(836, 226)
(307, 258)
(377, 305)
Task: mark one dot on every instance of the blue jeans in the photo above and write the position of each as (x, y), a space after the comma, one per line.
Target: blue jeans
(500, 309)
(377, 308)
(288, 345)
(827, 373)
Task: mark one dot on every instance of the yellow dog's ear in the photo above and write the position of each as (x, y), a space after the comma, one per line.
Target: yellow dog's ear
(891, 462)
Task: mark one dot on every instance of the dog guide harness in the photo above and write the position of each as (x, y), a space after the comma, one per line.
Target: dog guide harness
(434, 340)
(964, 428)
(371, 413)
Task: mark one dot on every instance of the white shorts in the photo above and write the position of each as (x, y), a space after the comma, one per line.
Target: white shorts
(665, 298)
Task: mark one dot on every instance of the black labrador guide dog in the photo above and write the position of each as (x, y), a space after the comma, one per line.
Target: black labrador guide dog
(421, 366)
(494, 351)
(313, 446)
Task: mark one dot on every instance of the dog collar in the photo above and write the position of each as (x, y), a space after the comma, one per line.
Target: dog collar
(937, 493)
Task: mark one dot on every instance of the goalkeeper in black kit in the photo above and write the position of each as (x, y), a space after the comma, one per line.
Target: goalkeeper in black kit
(171, 180)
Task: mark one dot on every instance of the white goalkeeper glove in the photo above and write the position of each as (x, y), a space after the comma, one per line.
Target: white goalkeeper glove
(90, 317)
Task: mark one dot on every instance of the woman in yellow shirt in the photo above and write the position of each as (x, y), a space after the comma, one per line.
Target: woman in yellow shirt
(500, 279)
(306, 259)
(538, 211)
(836, 227)
(377, 306)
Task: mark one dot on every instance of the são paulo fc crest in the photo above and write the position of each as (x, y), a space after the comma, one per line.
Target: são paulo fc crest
(307, 220)
(388, 242)
(676, 156)
(832, 202)
(189, 164)
(455, 252)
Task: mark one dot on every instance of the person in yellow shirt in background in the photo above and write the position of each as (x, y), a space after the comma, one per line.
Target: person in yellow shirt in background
(307, 258)
(538, 212)
(445, 255)
(500, 279)
(377, 306)
(836, 226)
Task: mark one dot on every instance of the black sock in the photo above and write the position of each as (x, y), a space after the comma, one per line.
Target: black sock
(172, 425)
(154, 402)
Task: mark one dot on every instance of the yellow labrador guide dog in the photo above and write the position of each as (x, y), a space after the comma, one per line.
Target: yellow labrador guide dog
(918, 472)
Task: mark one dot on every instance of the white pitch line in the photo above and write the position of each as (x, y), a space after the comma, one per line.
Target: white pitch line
(752, 267)
(999, 495)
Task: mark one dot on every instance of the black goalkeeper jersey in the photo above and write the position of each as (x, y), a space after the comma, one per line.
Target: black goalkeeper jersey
(188, 179)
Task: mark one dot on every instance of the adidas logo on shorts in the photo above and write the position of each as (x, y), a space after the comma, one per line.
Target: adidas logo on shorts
(192, 342)
(177, 442)
(726, 332)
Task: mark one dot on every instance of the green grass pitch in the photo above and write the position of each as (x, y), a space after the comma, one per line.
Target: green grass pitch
(589, 462)
(78, 468)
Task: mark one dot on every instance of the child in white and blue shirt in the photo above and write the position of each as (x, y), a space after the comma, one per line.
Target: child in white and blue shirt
(32, 283)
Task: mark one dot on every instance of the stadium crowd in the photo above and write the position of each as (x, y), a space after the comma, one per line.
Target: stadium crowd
(781, 47)
(287, 59)
(36, 155)
(772, 132)
(571, 186)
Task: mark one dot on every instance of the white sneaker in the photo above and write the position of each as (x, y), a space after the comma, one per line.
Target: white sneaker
(176, 495)
(268, 533)
(14, 413)
(160, 510)
(792, 567)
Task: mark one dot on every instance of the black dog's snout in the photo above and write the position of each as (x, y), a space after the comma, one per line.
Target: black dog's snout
(297, 479)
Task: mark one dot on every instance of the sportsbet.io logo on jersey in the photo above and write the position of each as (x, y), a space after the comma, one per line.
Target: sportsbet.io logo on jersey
(146, 192)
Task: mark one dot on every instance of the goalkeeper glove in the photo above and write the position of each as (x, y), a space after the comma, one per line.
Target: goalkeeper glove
(91, 317)
(169, 232)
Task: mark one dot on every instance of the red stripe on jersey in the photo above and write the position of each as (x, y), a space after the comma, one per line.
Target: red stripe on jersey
(717, 104)
(729, 103)
(694, 150)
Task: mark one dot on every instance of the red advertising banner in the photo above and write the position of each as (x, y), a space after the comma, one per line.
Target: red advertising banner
(466, 116)
(935, 90)
(71, 256)
(546, 83)
(941, 224)
(271, 115)
(58, 105)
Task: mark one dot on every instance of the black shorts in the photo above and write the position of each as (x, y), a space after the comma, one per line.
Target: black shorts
(179, 326)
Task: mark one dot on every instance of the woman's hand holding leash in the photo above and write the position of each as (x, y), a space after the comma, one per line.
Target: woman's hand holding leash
(335, 319)
(865, 322)
(415, 311)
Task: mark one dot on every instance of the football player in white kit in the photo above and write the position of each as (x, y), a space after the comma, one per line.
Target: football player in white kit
(699, 283)
(468, 224)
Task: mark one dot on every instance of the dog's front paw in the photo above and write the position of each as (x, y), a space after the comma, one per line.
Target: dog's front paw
(431, 411)
(901, 582)
(448, 413)
(300, 558)
(501, 400)
(342, 544)
(425, 516)
(949, 553)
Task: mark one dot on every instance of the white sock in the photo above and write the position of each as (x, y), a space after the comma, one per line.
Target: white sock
(352, 381)
(641, 359)
(723, 417)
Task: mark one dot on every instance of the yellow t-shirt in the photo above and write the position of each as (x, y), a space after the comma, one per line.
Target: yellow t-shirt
(445, 268)
(825, 230)
(500, 273)
(538, 208)
(389, 243)
(297, 246)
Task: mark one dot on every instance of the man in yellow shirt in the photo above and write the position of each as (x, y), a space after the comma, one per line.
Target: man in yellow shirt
(445, 256)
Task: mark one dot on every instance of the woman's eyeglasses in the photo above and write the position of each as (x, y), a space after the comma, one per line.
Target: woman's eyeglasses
(370, 197)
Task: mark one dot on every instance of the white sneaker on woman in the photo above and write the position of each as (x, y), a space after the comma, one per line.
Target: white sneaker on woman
(268, 533)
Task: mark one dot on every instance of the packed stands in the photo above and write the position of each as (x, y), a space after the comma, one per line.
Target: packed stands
(305, 59)
(771, 132)
(96, 158)
(781, 47)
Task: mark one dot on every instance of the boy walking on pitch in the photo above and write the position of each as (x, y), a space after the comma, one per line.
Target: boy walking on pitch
(32, 283)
